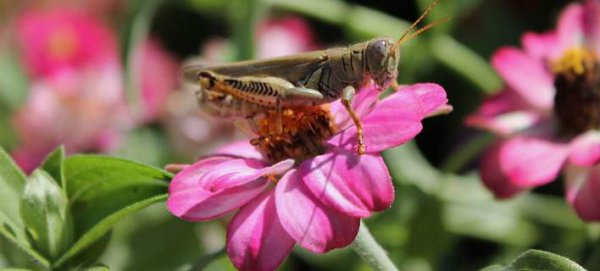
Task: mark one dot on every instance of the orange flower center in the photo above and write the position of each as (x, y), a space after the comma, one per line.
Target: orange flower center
(577, 100)
(302, 136)
(62, 44)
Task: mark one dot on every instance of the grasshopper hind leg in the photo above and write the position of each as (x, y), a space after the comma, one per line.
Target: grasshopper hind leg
(348, 94)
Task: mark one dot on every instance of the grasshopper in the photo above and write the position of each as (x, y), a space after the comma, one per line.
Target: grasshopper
(248, 88)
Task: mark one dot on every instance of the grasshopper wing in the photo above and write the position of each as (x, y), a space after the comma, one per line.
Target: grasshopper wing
(292, 68)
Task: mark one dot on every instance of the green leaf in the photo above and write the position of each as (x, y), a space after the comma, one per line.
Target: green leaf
(45, 211)
(97, 232)
(54, 165)
(12, 182)
(146, 145)
(98, 267)
(102, 190)
(12, 229)
(533, 260)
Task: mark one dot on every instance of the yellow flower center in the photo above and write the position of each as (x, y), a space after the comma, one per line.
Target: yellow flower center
(302, 136)
(577, 83)
(575, 61)
(62, 44)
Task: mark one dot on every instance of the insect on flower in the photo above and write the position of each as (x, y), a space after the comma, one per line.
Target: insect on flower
(250, 88)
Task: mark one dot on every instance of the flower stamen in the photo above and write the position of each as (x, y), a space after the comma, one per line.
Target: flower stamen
(577, 100)
(302, 136)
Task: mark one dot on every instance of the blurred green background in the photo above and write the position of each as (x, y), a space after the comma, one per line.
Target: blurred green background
(442, 219)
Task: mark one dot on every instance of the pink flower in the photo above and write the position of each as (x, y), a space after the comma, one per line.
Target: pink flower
(285, 36)
(82, 109)
(55, 39)
(311, 190)
(549, 112)
(157, 74)
(274, 38)
(191, 131)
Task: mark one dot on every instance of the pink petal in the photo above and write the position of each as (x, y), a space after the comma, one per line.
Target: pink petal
(395, 120)
(362, 104)
(313, 225)
(526, 75)
(430, 96)
(504, 101)
(531, 161)
(492, 175)
(592, 24)
(583, 185)
(570, 27)
(255, 238)
(543, 45)
(217, 185)
(351, 184)
(241, 149)
(505, 124)
(585, 149)
(504, 113)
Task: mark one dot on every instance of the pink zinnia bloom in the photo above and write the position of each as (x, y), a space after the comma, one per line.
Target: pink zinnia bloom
(313, 192)
(55, 39)
(157, 77)
(549, 112)
(84, 110)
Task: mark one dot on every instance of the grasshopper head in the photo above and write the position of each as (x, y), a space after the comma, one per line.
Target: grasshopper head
(382, 61)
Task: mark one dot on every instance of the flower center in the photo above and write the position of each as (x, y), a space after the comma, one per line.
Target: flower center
(303, 134)
(62, 44)
(577, 83)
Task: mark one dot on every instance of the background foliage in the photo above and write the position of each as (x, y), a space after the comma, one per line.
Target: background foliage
(443, 218)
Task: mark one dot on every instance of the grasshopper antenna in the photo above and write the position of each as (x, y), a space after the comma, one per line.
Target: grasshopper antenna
(424, 28)
(405, 36)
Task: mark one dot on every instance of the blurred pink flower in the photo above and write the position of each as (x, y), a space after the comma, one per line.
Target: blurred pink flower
(191, 131)
(285, 36)
(82, 109)
(76, 90)
(549, 112)
(157, 73)
(313, 196)
(56, 39)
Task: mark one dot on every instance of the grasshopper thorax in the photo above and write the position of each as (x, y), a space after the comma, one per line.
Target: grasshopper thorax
(382, 61)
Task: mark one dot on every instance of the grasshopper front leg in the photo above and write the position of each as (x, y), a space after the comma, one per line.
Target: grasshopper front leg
(348, 94)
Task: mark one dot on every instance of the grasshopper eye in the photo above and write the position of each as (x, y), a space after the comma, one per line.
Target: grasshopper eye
(380, 60)
(380, 47)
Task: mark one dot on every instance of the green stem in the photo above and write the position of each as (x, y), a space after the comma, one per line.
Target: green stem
(244, 15)
(466, 153)
(135, 32)
(207, 259)
(466, 63)
(367, 248)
